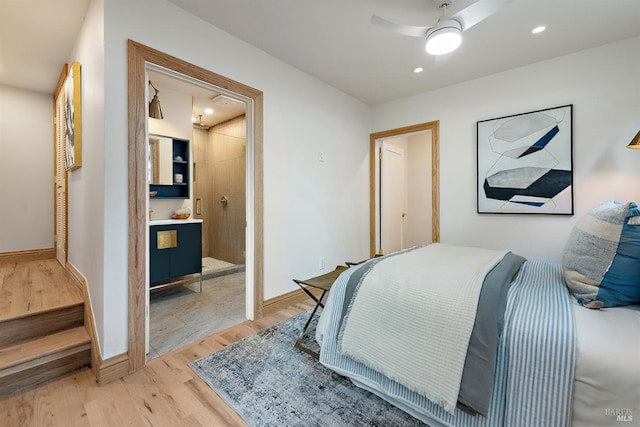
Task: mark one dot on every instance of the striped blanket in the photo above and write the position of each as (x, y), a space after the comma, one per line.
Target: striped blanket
(535, 364)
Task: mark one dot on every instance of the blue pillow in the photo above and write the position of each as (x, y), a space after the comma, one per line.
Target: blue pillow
(601, 260)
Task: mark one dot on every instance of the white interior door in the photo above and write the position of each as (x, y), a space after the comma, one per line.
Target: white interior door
(420, 177)
(60, 183)
(392, 198)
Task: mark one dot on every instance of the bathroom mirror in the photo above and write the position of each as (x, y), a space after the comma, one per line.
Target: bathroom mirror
(160, 160)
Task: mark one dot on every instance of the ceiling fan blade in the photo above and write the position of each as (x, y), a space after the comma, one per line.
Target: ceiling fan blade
(480, 10)
(407, 30)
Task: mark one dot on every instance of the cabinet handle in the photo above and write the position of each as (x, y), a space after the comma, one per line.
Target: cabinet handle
(224, 200)
(167, 239)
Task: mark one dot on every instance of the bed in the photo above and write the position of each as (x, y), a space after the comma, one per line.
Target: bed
(553, 362)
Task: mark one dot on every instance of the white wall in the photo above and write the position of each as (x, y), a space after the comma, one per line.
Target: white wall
(176, 109)
(316, 209)
(89, 208)
(26, 170)
(312, 209)
(603, 86)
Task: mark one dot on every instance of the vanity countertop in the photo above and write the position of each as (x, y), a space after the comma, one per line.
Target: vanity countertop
(173, 221)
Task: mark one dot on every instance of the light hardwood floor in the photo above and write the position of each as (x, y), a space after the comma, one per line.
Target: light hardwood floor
(34, 286)
(164, 393)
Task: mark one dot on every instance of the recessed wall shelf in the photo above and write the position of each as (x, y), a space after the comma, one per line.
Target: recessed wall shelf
(179, 165)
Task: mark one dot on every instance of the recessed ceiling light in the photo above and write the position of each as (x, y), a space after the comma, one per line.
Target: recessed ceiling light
(538, 29)
(418, 70)
(193, 119)
(208, 110)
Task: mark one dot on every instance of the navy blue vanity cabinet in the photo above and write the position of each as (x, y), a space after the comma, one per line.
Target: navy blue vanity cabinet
(175, 250)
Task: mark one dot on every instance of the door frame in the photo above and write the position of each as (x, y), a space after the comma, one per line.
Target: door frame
(56, 142)
(434, 127)
(138, 56)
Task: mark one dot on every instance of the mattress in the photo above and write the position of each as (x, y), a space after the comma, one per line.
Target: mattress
(607, 375)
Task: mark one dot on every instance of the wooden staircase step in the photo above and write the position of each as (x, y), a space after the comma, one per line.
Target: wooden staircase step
(39, 360)
(33, 325)
(30, 351)
(42, 325)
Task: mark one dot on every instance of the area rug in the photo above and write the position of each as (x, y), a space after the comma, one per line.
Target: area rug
(270, 383)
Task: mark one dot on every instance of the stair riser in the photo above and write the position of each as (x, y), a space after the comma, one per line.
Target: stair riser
(21, 380)
(13, 331)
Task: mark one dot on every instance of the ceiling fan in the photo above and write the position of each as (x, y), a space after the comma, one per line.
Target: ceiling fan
(446, 35)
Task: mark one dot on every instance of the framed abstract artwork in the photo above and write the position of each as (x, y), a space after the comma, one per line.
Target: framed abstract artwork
(73, 118)
(525, 163)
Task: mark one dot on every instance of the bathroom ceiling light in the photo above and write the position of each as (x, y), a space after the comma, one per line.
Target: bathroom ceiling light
(444, 38)
(225, 101)
(418, 70)
(208, 110)
(155, 112)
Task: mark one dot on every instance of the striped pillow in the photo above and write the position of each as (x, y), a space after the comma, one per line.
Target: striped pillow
(601, 260)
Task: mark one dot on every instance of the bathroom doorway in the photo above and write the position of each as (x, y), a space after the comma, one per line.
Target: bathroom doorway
(215, 124)
(139, 56)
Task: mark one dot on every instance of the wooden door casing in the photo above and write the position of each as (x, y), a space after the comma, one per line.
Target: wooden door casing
(60, 173)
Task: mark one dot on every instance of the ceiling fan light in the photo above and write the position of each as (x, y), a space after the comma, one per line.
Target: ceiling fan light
(443, 40)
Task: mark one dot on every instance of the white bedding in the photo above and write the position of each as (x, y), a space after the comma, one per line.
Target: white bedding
(607, 376)
(607, 370)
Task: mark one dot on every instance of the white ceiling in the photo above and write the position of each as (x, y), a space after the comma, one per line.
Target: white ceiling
(334, 41)
(202, 98)
(36, 39)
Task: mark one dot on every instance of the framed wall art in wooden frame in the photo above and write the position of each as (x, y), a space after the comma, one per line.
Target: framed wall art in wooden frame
(73, 118)
(525, 163)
